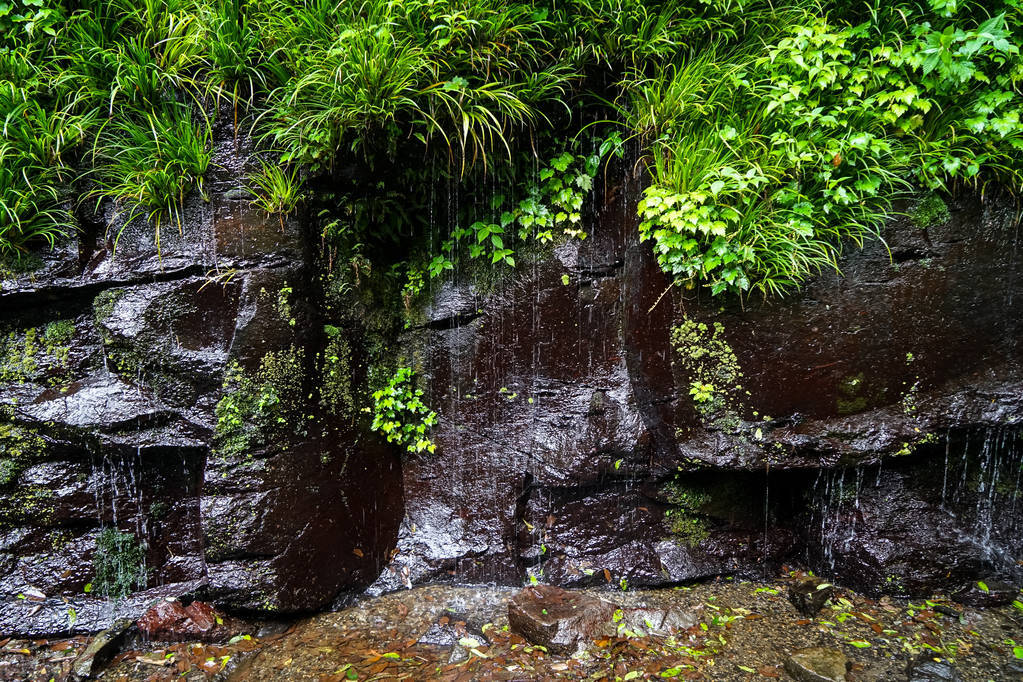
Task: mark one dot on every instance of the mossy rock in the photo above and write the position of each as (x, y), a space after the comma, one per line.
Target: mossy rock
(929, 211)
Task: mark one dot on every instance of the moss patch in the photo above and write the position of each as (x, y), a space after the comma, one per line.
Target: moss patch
(711, 365)
(20, 446)
(119, 563)
(33, 353)
(683, 520)
(256, 410)
(15, 264)
(929, 211)
(851, 398)
(336, 375)
(103, 305)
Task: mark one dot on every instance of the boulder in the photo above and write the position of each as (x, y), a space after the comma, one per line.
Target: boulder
(817, 664)
(809, 595)
(987, 592)
(558, 619)
(102, 647)
(926, 669)
(170, 621)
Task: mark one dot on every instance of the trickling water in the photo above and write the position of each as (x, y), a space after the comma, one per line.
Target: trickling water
(767, 514)
(979, 491)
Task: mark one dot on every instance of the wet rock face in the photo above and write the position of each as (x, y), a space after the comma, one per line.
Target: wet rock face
(122, 470)
(841, 428)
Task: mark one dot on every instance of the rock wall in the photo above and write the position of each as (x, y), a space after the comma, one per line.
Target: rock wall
(866, 426)
(114, 476)
(166, 430)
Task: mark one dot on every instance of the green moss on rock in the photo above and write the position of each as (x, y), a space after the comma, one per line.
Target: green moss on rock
(256, 410)
(929, 211)
(713, 371)
(19, 447)
(683, 520)
(119, 563)
(336, 391)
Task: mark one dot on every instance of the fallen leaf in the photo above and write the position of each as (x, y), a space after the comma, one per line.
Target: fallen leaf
(358, 552)
(607, 575)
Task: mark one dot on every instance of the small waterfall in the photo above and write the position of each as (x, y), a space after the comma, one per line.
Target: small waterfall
(983, 498)
(978, 487)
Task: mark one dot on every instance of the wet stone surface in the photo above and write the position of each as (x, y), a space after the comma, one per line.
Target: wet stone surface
(817, 664)
(867, 424)
(114, 478)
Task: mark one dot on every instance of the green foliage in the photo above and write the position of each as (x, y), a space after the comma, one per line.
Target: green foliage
(26, 21)
(701, 393)
(553, 201)
(119, 564)
(150, 165)
(765, 164)
(400, 414)
(275, 190)
(235, 52)
(772, 136)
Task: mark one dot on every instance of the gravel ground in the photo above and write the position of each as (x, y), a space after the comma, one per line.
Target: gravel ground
(746, 630)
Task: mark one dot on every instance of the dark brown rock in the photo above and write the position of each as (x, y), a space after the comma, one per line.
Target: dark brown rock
(170, 621)
(987, 592)
(927, 669)
(809, 595)
(558, 619)
(102, 647)
(571, 403)
(114, 425)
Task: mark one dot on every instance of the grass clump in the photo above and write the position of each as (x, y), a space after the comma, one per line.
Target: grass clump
(772, 137)
(275, 190)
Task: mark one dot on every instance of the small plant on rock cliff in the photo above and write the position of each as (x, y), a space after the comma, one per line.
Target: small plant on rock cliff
(276, 191)
(701, 392)
(119, 562)
(400, 414)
